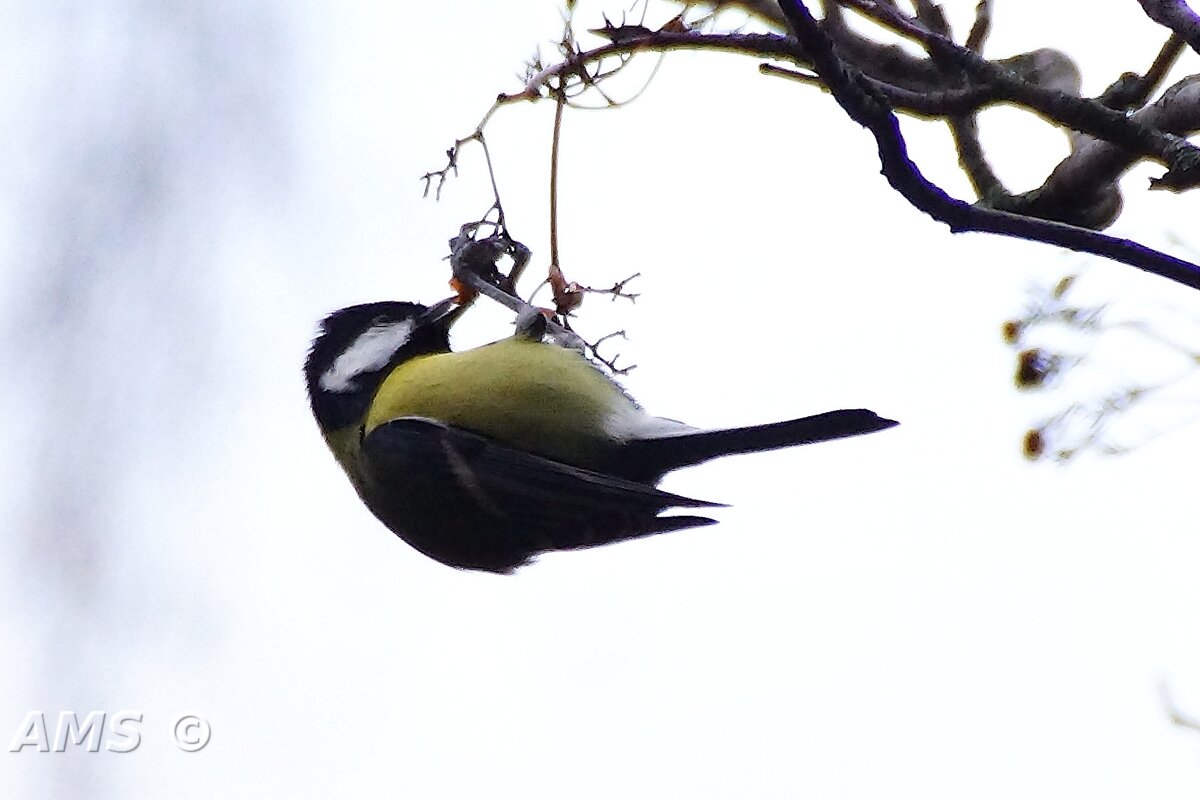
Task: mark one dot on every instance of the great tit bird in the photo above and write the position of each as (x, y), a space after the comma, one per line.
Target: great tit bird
(485, 458)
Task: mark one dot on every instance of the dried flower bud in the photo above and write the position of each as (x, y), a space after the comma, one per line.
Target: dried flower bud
(1034, 444)
(1063, 285)
(1035, 367)
(1011, 331)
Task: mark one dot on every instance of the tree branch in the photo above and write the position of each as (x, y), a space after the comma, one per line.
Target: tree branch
(1087, 116)
(1132, 90)
(951, 84)
(1075, 190)
(1176, 15)
(865, 105)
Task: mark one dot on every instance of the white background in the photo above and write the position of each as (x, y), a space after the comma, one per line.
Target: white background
(919, 613)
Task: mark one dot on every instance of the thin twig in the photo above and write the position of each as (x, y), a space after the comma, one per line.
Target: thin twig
(793, 75)
(617, 290)
(981, 27)
(611, 364)
(559, 102)
(965, 127)
(1176, 716)
(1132, 90)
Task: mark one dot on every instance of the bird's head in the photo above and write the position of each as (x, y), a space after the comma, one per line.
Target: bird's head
(358, 346)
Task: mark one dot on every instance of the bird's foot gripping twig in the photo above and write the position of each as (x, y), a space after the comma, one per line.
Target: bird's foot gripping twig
(475, 265)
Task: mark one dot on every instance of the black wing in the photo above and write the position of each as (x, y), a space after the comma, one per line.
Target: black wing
(469, 501)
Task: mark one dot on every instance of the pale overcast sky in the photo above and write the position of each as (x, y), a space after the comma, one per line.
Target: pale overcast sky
(915, 614)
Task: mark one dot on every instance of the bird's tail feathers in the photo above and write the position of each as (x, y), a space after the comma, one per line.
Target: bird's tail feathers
(656, 456)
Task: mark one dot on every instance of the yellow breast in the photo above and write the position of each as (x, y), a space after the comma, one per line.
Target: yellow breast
(537, 397)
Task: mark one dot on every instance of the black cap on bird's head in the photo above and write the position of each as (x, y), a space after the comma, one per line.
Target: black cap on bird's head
(359, 345)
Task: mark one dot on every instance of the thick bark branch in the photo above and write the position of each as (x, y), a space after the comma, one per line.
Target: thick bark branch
(1094, 166)
(865, 105)
(1086, 116)
(1176, 15)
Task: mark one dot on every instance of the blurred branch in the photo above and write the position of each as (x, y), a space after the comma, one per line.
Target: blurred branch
(1060, 341)
(1176, 716)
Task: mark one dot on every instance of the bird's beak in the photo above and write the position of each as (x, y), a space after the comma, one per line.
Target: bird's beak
(444, 312)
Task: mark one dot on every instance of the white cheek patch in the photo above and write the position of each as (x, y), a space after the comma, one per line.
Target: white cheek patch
(372, 350)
